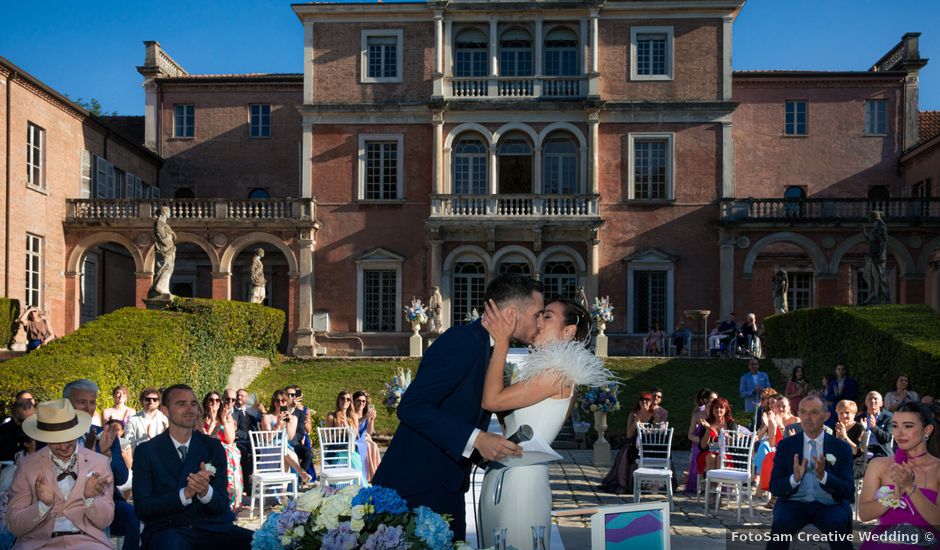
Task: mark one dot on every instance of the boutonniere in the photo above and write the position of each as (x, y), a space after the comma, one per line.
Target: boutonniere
(209, 468)
(831, 459)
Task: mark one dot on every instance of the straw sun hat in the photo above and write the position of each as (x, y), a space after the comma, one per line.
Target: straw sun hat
(57, 422)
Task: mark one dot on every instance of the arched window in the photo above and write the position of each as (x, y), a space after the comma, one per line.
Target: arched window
(561, 53)
(515, 165)
(469, 167)
(469, 284)
(184, 193)
(471, 53)
(794, 193)
(259, 193)
(519, 267)
(560, 166)
(560, 279)
(794, 206)
(515, 53)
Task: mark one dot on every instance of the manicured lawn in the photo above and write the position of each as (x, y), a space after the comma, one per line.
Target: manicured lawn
(680, 379)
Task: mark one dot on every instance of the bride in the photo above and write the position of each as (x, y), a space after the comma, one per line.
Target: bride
(541, 395)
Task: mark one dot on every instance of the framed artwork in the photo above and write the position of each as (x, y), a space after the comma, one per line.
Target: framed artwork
(642, 525)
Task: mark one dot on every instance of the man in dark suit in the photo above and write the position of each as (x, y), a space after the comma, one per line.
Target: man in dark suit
(813, 481)
(182, 503)
(245, 422)
(442, 421)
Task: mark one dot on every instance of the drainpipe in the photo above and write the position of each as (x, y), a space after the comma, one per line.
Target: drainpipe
(6, 219)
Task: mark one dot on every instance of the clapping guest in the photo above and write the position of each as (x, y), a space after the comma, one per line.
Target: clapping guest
(902, 394)
(368, 449)
(217, 423)
(61, 496)
(853, 433)
(797, 387)
(719, 418)
(149, 422)
(120, 410)
(878, 423)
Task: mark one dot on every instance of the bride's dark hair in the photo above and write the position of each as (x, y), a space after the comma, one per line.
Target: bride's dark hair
(575, 314)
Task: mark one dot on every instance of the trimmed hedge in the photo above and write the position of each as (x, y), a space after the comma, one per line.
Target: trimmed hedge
(877, 343)
(9, 313)
(194, 342)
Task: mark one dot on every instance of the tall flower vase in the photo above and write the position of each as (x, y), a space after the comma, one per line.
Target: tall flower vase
(415, 343)
(601, 446)
(600, 342)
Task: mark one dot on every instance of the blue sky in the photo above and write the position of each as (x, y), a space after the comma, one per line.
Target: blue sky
(91, 49)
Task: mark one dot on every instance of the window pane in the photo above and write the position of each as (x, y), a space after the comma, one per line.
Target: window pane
(649, 300)
(381, 177)
(379, 300)
(649, 170)
(651, 54)
(469, 284)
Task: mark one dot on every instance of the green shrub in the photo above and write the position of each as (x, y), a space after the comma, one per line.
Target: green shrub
(195, 343)
(9, 313)
(876, 343)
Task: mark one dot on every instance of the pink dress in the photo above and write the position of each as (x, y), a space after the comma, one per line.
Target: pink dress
(903, 522)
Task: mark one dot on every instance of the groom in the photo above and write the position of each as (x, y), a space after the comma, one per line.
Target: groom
(442, 422)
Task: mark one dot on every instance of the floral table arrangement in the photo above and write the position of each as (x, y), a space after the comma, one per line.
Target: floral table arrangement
(370, 518)
(600, 399)
(396, 388)
(602, 313)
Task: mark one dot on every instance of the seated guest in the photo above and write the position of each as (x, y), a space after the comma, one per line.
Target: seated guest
(120, 410)
(368, 449)
(728, 331)
(217, 423)
(64, 491)
(719, 418)
(295, 404)
(83, 395)
(149, 422)
(619, 479)
(811, 488)
(703, 398)
(653, 343)
(660, 415)
(280, 419)
(714, 339)
(878, 423)
(752, 384)
(38, 329)
(181, 502)
(680, 337)
(902, 394)
(853, 433)
(245, 422)
(345, 416)
(748, 332)
(11, 433)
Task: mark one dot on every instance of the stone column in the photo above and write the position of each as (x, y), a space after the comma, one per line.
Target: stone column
(304, 345)
(438, 74)
(221, 285)
(726, 246)
(306, 160)
(726, 68)
(539, 48)
(436, 246)
(437, 176)
(593, 141)
(494, 58)
(593, 266)
(594, 85)
(727, 160)
(72, 300)
(308, 62)
(151, 114)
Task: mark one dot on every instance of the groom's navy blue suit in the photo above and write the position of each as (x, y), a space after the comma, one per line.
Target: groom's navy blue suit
(425, 462)
(796, 507)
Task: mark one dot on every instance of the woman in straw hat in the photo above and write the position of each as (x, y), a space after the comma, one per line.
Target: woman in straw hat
(61, 496)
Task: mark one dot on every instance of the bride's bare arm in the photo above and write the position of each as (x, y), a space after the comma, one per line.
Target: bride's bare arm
(496, 396)
(868, 506)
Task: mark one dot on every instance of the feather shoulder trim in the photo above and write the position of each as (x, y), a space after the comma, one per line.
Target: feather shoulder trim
(569, 359)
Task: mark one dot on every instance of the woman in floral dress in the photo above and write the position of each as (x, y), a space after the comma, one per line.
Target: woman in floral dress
(217, 422)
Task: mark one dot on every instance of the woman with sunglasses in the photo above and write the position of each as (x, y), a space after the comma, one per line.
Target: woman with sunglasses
(217, 422)
(345, 416)
(368, 449)
(619, 479)
(279, 419)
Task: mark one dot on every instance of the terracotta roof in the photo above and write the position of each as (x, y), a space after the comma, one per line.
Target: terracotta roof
(928, 125)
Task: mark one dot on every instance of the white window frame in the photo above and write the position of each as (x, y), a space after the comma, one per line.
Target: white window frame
(35, 156)
(32, 239)
(183, 135)
(400, 172)
(792, 290)
(670, 47)
(379, 262)
(365, 35)
(644, 265)
(670, 138)
(261, 126)
(85, 174)
(794, 123)
(871, 129)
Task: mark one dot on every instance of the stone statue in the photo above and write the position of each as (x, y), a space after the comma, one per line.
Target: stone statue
(781, 284)
(876, 273)
(582, 299)
(258, 291)
(435, 307)
(166, 255)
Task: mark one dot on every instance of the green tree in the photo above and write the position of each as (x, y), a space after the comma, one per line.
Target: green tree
(93, 106)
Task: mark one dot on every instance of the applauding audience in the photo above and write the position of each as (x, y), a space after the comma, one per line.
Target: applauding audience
(280, 419)
(149, 422)
(217, 423)
(878, 423)
(853, 433)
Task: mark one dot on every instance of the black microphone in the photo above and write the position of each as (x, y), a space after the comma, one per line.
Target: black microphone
(524, 433)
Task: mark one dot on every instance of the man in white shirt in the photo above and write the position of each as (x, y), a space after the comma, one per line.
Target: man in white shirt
(147, 423)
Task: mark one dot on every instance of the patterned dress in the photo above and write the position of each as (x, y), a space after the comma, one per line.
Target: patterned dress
(233, 458)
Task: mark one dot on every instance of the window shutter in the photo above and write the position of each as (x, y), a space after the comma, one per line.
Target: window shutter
(101, 178)
(84, 190)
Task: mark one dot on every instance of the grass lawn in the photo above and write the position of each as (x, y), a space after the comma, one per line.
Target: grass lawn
(321, 381)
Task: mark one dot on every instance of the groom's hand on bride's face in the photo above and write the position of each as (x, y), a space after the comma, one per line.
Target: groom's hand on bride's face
(499, 323)
(495, 447)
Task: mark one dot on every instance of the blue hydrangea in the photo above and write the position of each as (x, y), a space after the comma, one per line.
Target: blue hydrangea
(386, 538)
(291, 517)
(267, 537)
(341, 538)
(431, 528)
(383, 500)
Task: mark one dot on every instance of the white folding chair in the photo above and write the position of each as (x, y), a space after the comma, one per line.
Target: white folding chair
(655, 447)
(336, 448)
(736, 452)
(269, 478)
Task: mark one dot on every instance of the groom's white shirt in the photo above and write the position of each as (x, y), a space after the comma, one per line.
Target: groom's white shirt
(468, 448)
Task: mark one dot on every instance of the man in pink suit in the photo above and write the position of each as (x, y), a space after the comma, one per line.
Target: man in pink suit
(61, 496)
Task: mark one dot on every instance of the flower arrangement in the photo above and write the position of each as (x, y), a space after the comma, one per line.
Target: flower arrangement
(888, 497)
(395, 389)
(602, 311)
(599, 399)
(416, 312)
(370, 518)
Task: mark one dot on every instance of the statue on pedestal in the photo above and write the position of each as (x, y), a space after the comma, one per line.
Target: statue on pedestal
(435, 307)
(582, 299)
(781, 284)
(258, 291)
(876, 273)
(166, 256)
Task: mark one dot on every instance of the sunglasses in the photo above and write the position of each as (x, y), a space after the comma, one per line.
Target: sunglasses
(229, 399)
(291, 395)
(360, 400)
(151, 399)
(344, 399)
(214, 400)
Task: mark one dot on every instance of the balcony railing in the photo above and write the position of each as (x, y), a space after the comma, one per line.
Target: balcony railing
(518, 87)
(190, 210)
(513, 206)
(829, 210)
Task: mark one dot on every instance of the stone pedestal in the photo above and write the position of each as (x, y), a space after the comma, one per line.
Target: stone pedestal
(601, 446)
(415, 345)
(158, 302)
(600, 345)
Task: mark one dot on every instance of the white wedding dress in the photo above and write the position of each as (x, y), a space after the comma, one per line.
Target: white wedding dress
(519, 497)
